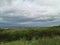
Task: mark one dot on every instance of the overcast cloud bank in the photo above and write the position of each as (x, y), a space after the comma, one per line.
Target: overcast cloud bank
(30, 12)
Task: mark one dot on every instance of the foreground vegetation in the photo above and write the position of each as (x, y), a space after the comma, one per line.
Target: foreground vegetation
(43, 41)
(30, 36)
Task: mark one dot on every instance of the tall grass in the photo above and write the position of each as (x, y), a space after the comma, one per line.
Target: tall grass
(40, 41)
(28, 33)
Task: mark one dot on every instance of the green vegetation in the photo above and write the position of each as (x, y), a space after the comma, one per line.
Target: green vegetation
(43, 41)
(30, 36)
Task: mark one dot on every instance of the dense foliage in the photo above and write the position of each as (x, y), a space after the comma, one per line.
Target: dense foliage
(11, 34)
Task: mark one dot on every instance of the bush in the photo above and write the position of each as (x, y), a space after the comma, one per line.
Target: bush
(28, 33)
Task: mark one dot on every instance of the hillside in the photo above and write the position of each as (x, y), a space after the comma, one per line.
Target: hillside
(18, 36)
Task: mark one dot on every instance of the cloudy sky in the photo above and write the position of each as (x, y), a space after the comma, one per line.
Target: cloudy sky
(29, 12)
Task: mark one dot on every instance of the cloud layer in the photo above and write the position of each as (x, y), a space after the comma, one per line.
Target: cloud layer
(30, 12)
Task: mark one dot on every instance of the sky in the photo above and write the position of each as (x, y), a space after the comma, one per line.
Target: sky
(29, 13)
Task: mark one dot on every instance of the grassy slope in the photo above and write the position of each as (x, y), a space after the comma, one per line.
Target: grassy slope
(30, 36)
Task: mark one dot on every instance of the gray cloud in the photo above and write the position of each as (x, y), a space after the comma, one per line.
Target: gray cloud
(29, 12)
